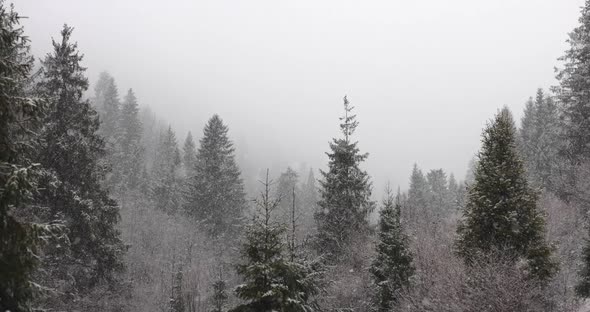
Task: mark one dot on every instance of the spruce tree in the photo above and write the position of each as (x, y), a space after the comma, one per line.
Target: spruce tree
(288, 182)
(73, 152)
(20, 117)
(501, 212)
(440, 199)
(166, 190)
(392, 267)
(106, 101)
(219, 298)
(573, 94)
(272, 282)
(418, 196)
(309, 202)
(130, 164)
(539, 140)
(345, 192)
(216, 192)
(189, 155)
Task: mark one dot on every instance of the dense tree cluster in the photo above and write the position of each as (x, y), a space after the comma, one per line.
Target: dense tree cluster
(101, 209)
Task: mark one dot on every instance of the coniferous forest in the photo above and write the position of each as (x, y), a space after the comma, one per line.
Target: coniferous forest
(104, 206)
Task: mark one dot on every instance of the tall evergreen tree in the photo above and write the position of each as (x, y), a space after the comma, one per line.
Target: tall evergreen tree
(392, 267)
(418, 195)
(106, 101)
(189, 155)
(73, 151)
(287, 187)
(271, 281)
(573, 94)
(540, 140)
(309, 202)
(501, 211)
(19, 120)
(440, 199)
(166, 182)
(345, 192)
(219, 298)
(130, 164)
(216, 191)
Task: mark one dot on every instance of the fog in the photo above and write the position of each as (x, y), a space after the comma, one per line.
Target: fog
(425, 76)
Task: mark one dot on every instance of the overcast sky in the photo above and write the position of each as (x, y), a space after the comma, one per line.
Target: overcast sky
(425, 76)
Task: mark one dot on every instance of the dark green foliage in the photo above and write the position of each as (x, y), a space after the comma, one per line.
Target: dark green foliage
(216, 193)
(73, 152)
(272, 282)
(392, 267)
(19, 119)
(501, 210)
(345, 193)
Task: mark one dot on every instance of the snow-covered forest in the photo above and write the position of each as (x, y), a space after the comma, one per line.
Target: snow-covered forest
(105, 206)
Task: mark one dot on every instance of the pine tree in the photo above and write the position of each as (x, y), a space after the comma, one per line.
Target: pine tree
(539, 140)
(392, 267)
(345, 193)
(20, 117)
(271, 281)
(131, 160)
(440, 199)
(216, 193)
(189, 155)
(287, 182)
(72, 151)
(501, 210)
(309, 202)
(418, 195)
(106, 101)
(166, 190)
(219, 298)
(573, 94)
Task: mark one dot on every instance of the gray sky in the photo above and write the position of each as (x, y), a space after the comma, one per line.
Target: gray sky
(425, 76)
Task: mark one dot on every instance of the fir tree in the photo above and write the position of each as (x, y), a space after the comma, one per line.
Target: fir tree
(166, 188)
(189, 155)
(271, 281)
(345, 192)
(418, 195)
(19, 120)
(501, 210)
(216, 193)
(573, 94)
(309, 202)
(219, 298)
(131, 160)
(392, 267)
(440, 198)
(287, 182)
(106, 101)
(539, 140)
(73, 151)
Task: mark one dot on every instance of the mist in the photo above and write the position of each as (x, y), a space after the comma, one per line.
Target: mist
(426, 75)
